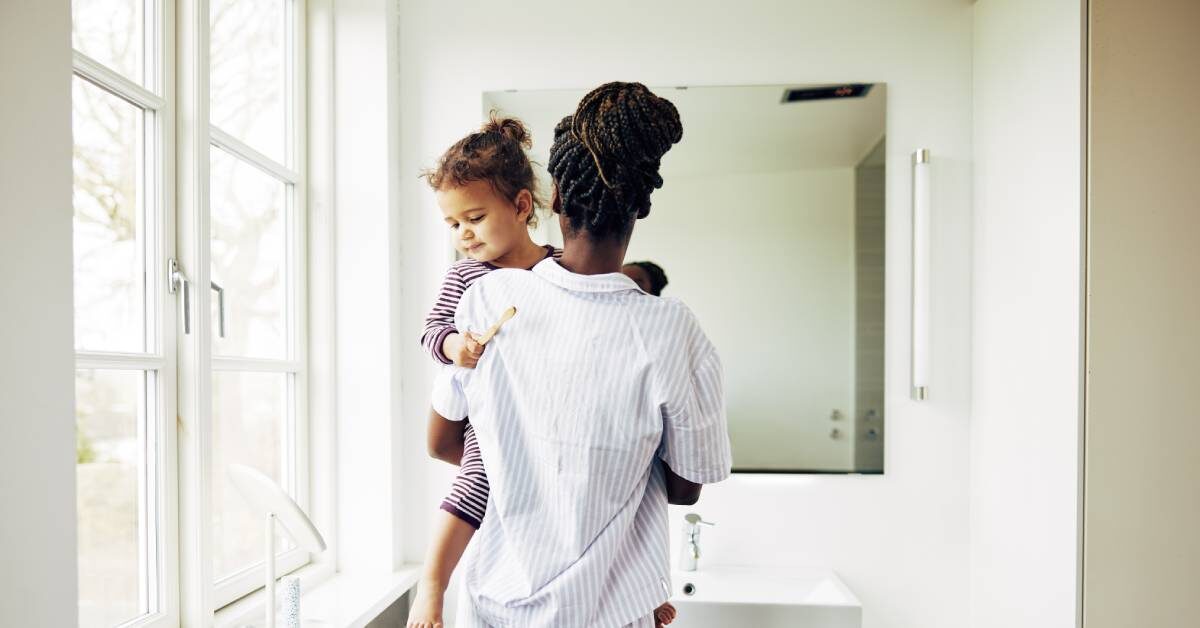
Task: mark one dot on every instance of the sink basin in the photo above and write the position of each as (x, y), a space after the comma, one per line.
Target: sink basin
(719, 596)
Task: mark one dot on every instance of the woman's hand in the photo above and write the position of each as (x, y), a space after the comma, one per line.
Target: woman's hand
(463, 349)
(444, 438)
(664, 615)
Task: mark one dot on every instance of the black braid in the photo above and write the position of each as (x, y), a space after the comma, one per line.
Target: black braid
(605, 158)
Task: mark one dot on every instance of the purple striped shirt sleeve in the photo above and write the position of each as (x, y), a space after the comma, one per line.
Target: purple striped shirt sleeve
(439, 323)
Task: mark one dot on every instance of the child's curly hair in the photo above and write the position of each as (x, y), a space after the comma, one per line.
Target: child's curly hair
(496, 154)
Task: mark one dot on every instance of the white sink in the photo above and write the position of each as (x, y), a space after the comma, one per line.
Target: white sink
(719, 597)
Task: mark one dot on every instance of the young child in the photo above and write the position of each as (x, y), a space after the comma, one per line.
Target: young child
(488, 194)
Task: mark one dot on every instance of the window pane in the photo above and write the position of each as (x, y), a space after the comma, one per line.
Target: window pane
(109, 471)
(249, 426)
(111, 32)
(109, 281)
(247, 85)
(248, 258)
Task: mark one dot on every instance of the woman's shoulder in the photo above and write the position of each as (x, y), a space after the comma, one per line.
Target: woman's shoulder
(673, 336)
(497, 280)
(674, 305)
(496, 290)
(676, 314)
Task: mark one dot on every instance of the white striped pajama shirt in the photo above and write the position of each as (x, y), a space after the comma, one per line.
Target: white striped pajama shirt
(469, 493)
(573, 403)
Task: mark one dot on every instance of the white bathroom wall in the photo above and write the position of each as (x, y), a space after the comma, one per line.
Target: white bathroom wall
(37, 418)
(1027, 272)
(366, 279)
(774, 333)
(899, 540)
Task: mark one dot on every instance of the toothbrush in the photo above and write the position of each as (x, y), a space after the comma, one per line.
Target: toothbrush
(490, 333)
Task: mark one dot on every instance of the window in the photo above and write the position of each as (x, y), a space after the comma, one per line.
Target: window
(144, 475)
(123, 382)
(255, 249)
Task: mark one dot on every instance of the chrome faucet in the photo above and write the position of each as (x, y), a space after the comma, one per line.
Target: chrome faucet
(690, 553)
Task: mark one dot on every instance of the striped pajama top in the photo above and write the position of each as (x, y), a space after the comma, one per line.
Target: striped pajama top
(439, 323)
(469, 493)
(572, 403)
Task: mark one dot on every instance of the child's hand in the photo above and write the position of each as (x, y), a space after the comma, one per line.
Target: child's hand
(463, 349)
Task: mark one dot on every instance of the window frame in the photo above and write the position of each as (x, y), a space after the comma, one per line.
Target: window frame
(202, 594)
(157, 361)
(174, 196)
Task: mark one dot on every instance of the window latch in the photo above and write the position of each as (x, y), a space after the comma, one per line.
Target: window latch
(178, 283)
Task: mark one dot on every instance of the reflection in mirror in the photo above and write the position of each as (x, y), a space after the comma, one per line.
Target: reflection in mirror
(771, 228)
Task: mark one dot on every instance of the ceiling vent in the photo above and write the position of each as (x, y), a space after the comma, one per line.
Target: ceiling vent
(829, 92)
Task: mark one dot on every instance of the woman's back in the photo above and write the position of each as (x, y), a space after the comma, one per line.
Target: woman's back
(571, 403)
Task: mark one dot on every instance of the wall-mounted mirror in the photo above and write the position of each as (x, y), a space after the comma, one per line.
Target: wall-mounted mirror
(771, 228)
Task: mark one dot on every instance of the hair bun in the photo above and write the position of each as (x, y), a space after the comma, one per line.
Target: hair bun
(627, 124)
(606, 156)
(510, 128)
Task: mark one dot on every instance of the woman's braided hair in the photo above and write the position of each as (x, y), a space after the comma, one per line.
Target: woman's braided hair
(496, 153)
(605, 157)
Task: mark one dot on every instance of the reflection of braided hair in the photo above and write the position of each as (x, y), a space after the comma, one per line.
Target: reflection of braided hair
(605, 158)
(658, 277)
(496, 154)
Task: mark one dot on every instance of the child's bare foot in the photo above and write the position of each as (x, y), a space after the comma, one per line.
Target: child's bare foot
(664, 615)
(426, 610)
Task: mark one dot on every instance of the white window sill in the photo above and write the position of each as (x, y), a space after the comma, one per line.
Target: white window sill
(338, 600)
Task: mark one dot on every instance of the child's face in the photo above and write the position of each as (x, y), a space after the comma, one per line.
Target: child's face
(484, 224)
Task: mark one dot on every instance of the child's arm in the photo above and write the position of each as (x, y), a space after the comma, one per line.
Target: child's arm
(440, 338)
(439, 323)
(446, 548)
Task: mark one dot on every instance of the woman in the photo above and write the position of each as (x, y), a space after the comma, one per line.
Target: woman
(595, 405)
